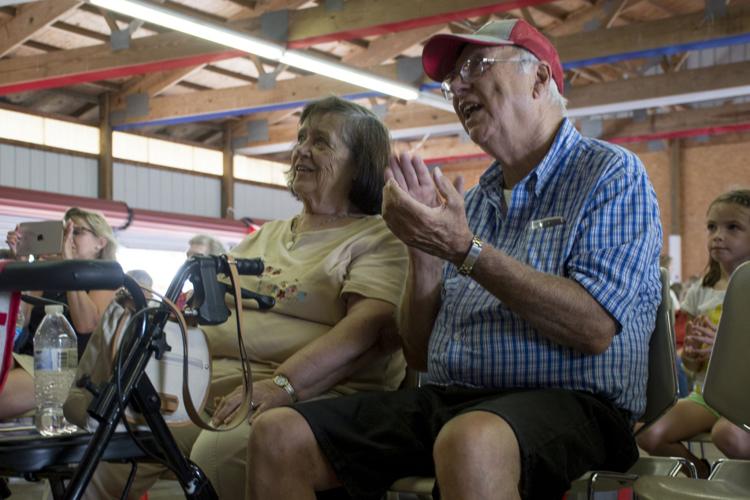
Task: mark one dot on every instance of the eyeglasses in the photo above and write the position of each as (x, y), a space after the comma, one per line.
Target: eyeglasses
(78, 231)
(470, 71)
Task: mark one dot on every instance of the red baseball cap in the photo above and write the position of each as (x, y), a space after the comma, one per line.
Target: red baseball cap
(441, 51)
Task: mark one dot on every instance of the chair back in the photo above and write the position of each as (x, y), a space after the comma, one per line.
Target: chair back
(661, 388)
(725, 389)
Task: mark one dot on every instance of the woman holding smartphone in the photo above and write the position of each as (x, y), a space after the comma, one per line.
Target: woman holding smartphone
(87, 235)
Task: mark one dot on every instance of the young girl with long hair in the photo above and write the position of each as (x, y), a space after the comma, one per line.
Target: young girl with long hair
(728, 231)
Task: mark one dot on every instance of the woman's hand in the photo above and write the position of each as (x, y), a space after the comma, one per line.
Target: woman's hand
(11, 239)
(68, 249)
(266, 395)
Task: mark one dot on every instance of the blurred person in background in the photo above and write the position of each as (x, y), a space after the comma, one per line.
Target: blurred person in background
(202, 244)
(87, 235)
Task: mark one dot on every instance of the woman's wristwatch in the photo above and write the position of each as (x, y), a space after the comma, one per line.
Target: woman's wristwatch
(471, 257)
(283, 382)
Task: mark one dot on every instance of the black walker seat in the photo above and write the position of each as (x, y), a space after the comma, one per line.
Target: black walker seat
(27, 454)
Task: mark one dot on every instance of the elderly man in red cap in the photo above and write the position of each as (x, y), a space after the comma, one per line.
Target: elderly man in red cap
(530, 304)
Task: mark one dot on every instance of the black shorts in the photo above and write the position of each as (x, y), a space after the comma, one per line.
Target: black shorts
(372, 439)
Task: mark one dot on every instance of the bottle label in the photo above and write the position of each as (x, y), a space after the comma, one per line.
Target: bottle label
(54, 359)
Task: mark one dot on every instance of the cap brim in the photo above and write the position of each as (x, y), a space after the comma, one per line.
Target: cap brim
(441, 52)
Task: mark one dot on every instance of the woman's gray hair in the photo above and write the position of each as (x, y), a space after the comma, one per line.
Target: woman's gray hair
(101, 228)
(215, 247)
(368, 141)
(528, 63)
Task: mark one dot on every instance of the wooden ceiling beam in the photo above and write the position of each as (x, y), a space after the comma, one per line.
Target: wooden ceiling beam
(230, 74)
(362, 18)
(245, 97)
(153, 84)
(306, 27)
(379, 51)
(676, 121)
(174, 50)
(670, 32)
(397, 118)
(256, 8)
(99, 62)
(690, 123)
(389, 46)
(622, 92)
(32, 18)
(578, 21)
(661, 87)
(77, 30)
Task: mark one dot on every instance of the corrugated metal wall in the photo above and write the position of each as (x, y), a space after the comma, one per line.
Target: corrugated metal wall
(29, 168)
(139, 186)
(166, 191)
(259, 202)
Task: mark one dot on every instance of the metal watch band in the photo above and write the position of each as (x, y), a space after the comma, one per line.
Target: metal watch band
(471, 257)
(283, 382)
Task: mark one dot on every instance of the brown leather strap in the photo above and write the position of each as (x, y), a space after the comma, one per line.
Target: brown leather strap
(245, 408)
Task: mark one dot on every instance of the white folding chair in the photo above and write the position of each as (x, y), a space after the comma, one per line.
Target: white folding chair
(725, 390)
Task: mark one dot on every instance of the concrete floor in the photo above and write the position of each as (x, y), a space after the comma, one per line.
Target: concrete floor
(25, 490)
(169, 489)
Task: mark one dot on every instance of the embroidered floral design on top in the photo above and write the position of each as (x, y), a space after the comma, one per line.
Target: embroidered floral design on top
(271, 271)
(283, 291)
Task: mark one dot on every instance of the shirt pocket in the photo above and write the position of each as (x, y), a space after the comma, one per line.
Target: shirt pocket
(546, 245)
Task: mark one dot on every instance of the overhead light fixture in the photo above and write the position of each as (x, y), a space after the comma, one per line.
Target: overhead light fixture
(215, 33)
(348, 74)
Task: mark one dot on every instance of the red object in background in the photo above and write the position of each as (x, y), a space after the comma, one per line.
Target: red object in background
(680, 324)
(9, 303)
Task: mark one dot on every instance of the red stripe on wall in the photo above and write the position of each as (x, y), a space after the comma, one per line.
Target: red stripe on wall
(43, 204)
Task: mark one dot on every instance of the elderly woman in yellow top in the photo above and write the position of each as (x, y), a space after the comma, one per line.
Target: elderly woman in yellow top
(336, 273)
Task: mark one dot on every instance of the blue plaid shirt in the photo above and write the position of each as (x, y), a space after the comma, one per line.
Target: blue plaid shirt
(602, 230)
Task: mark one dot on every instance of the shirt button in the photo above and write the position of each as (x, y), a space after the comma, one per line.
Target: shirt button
(472, 285)
(457, 337)
(289, 245)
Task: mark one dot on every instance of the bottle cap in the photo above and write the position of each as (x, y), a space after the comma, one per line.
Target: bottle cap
(53, 309)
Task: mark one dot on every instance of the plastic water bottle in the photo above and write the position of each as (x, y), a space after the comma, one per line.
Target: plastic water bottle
(55, 362)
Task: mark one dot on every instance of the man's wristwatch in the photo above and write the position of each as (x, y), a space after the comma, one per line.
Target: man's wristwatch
(284, 383)
(471, 257)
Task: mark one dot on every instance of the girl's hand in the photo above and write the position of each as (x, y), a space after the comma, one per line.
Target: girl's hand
(700, 335)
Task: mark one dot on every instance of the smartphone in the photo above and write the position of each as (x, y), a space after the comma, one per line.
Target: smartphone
(40, 238)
